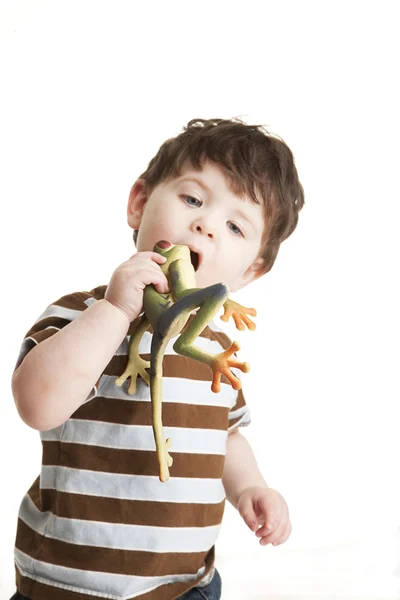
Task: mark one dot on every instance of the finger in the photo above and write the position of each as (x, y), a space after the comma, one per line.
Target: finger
(273, 517)
(155, 256)
(272, 537)
(248, 514)
(151, 274)
(161, 284)
(285, 536)
(158, 258)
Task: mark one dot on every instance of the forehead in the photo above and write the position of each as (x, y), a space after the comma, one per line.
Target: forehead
(210, 176)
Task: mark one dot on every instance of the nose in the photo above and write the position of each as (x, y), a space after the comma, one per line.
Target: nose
(204, 226)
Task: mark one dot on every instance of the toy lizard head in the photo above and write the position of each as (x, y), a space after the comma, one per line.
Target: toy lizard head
(171, 251)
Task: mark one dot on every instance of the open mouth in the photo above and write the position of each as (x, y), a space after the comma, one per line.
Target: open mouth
(194, 257)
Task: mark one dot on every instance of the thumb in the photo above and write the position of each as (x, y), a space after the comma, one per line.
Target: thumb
(246, 510)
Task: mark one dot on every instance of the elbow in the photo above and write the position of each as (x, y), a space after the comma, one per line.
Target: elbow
(33, 419)
(30, 411)
(30, 416)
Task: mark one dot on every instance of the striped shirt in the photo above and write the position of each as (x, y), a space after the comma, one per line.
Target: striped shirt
(98, 522)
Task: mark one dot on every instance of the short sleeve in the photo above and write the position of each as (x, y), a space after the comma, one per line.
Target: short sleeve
(56, 316)
(239, 414)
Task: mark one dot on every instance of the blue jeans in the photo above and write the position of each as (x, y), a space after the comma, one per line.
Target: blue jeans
(212, 591)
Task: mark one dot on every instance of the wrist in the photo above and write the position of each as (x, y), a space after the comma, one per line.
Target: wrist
(120, 310)
(248, 489)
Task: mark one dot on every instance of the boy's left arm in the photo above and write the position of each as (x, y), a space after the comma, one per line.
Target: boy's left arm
(263, 509)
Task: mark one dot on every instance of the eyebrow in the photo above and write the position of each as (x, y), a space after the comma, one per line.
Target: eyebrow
(195, 180)
(209, 191)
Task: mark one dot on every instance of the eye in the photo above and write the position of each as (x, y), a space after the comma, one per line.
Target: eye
(188, 200)
(236, 229)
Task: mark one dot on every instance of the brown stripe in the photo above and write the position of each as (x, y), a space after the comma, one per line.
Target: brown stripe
(240, 401)
(40, 336)
(106, 560)
(47, 322)
(40, 591)
(130, 512)
(138, 412)
(75, 301)
(217, 336)
(233, 421)
(130, 462)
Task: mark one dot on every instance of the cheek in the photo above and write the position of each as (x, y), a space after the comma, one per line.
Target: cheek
(156, 221)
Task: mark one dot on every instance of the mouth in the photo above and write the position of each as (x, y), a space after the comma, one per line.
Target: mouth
(195, 259)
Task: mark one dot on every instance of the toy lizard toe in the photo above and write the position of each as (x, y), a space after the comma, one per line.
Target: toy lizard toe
(239, 314)
(165, 460)
(136, 366)
(222, 364)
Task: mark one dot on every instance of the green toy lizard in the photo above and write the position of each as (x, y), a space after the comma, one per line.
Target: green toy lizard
(168, 314)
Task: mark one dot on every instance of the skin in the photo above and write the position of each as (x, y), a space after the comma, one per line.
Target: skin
(199, 209)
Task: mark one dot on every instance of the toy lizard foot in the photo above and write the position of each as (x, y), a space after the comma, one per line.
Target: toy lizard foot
(136, 366)
(165, 460)
(239, 314)
(221, 366)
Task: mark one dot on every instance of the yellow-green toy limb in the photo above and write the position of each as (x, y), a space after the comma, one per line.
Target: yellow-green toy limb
(168, 314)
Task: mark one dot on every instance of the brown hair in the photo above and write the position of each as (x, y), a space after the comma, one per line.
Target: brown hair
(257, 163)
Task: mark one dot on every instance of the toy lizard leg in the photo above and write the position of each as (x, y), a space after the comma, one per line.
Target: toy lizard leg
(136, 365)
(209, 300)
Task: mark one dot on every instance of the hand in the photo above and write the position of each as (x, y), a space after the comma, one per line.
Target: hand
(125, 290)
(265, 511)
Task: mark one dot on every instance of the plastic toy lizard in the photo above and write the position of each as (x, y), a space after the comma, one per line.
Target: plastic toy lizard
(168, 314)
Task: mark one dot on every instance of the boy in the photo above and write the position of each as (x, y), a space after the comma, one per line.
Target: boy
(98, 522)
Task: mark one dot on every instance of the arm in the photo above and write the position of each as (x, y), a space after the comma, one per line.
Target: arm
(240, 469)
(57, 375)
(263, 509)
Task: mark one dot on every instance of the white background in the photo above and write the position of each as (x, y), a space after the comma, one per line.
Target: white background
(89, 91)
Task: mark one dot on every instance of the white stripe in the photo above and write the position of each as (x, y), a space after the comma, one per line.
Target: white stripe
(234, 414)
(90, 301)
(174, 389)
(116, 535)
(95, 583)
(59, 311)
(241, 423)
(132, 487)
(216, 326)
(137, 437)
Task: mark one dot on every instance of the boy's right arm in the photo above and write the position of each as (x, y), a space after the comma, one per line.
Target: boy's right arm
(56, 376)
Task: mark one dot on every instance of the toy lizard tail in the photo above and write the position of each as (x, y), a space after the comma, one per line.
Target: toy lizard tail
(158, 346)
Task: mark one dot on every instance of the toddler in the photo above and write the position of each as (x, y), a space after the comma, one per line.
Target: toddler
(97, 522)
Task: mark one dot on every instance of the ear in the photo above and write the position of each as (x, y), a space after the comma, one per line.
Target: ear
(137, 200)
(253, 272)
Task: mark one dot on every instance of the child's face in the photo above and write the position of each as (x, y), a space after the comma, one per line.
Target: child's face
(199, 209)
